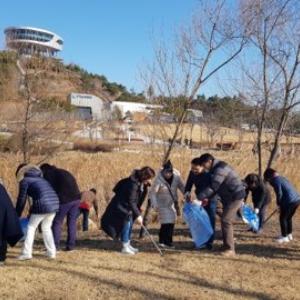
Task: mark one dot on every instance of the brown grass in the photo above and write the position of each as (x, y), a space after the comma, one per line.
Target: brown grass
(263, 270)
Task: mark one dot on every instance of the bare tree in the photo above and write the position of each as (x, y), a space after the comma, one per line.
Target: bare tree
(40, 126)
(211, 41)
(273, 80)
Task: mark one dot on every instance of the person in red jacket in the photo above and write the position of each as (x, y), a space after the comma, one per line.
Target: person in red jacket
(88, 199)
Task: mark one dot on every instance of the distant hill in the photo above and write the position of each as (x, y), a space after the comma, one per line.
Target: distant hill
(60, 80)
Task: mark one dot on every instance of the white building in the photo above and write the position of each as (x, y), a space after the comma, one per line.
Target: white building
(90, 107)
(30, 40)
(134, 107)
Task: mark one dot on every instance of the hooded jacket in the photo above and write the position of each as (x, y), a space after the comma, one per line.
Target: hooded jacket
(10, 229)
(32, 184)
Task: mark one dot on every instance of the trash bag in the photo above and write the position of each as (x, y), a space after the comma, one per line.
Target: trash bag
(250, 217)
(24, 225)
(198, 222)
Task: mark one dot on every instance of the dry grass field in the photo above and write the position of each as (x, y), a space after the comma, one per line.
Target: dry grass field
(262, 270)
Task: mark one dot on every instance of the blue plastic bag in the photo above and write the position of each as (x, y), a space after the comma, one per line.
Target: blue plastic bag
(24, 225)
(250, 217)
(199, 224)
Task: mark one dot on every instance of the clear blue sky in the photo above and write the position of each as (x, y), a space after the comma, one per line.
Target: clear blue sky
(109, 37)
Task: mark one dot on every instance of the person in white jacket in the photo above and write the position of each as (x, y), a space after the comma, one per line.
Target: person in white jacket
(164, 199)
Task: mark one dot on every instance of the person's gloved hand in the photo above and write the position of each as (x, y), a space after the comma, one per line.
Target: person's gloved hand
(139, 220)
(197, 202)
(256, 210)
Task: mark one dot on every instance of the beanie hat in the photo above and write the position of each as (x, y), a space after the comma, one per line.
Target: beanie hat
(168, 166)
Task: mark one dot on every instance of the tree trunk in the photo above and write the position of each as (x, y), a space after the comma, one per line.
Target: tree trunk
(278, 135)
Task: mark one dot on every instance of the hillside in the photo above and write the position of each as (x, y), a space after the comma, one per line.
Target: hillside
(59, 79)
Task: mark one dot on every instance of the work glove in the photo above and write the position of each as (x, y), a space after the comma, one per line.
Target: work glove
(177, 208)
(139, 220)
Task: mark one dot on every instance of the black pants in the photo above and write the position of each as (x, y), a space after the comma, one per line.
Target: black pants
(286, 215)
(262, 215)
(3, 251)
(166, 234)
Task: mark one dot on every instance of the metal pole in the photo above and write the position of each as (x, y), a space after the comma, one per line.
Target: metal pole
(271, 215)
(152, 240)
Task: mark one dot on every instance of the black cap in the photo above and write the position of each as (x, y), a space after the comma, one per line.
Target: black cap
(168, 167)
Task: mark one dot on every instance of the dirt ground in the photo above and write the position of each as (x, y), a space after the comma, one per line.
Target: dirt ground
(262, 270)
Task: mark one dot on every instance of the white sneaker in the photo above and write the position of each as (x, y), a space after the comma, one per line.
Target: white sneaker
(127, 250)
(24, 257)
(283, 239)
(290, 236)
(135, 250)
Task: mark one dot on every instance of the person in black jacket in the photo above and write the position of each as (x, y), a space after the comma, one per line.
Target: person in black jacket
(123, 209)
(44, 206)
(201, 180)
(10, 229)
(261, 196)
(66, 187)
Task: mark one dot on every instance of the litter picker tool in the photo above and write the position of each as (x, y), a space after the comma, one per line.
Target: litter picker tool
(270, 216)
(152, 240)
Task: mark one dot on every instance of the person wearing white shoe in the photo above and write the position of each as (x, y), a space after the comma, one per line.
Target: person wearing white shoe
(283, 239)
(44, 206)
(288, 200)
(123, 210)
(126, 235)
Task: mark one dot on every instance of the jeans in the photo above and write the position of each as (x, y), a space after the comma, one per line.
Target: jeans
(126, 231)
(34, 221)
(286, 215)
(166, 234)
(3, 250)
(211, 210)
(85, 221)
(230, 210)
(70, 210)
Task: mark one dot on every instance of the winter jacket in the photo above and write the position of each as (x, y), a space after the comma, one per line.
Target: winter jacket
(286, 194)
(129, 194)
(225, 182)
(200, 181)
(32, 184)
(161, 198)
(10, 229)
(63, 182)
(261, 195)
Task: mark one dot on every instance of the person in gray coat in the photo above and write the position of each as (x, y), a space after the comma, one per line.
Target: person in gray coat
(164, 199)
(226, 183)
